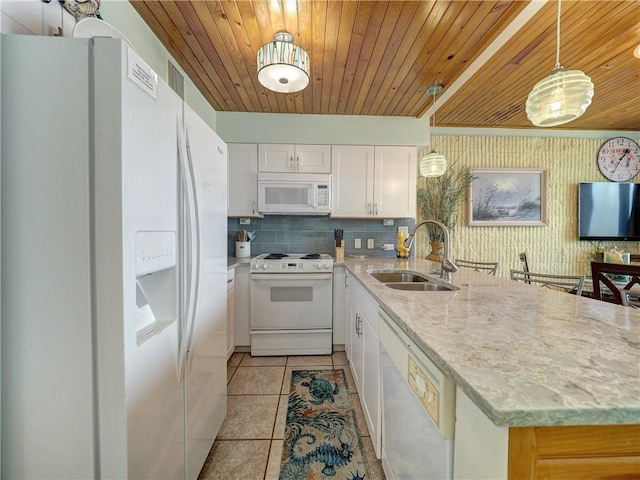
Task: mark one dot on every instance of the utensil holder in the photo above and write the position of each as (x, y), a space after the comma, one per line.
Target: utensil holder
(338, 252)
(243, 249)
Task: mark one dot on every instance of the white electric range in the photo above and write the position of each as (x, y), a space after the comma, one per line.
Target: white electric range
(291, 304)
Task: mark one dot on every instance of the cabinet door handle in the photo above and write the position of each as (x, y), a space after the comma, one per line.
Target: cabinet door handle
(253, 207)
(291, 164)
(375, 207)
(297, 164)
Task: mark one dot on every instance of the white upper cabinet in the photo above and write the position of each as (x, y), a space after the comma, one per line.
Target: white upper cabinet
(366, 181)
(286, 158)
(373, 181)
(394, 190)
(352, 181)
(243, 180)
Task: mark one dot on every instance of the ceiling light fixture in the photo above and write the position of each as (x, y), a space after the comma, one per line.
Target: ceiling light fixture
(433, 164)
(282, 65)
(561, 97)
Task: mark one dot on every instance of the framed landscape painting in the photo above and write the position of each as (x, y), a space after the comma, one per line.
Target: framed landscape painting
(508, 197)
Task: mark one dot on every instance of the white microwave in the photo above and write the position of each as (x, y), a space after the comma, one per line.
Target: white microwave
(294, 193)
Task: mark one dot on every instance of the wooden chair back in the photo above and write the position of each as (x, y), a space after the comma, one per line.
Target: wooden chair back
(616, 278)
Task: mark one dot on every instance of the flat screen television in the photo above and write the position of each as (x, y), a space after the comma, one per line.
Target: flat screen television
(609, 211)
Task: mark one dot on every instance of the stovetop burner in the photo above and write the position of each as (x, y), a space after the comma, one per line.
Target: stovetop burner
(275, 256)
(310, 256)
(296, 256)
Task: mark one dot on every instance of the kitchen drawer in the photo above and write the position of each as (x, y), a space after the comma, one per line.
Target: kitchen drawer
(291, 342)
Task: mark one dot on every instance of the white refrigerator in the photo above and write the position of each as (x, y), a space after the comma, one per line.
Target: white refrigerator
(113, 267)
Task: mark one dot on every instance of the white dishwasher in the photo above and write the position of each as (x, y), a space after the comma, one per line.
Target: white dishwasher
(418, 413)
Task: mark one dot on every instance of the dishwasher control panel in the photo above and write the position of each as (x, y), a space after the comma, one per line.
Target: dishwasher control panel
(425, 390)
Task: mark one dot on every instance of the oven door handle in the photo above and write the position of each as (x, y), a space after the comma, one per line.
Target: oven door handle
(291, 276)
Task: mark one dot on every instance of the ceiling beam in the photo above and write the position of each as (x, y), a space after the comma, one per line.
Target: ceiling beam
(520, 21)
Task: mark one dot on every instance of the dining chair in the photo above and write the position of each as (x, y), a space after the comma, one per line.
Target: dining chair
(566, 283)
(612, 282)
(486, 267)
(525, 265)
(630, 299)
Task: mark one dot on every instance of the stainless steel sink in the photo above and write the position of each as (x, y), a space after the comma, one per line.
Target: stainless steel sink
(412, 281)
(420, 286)
(401, 276)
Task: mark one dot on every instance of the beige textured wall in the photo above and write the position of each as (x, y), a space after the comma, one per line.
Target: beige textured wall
(553, 248)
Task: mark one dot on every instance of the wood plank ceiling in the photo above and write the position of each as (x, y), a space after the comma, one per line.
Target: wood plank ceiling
(377, 57)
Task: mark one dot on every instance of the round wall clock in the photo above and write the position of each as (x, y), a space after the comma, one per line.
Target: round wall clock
(619, 159)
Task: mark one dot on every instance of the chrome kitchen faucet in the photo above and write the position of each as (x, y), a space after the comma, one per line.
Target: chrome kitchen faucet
(447, 266)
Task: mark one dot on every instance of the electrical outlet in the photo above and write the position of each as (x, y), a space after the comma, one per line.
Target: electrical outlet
(357, 243)
(370, 243)
(387, 221)
(388, 246)
(245, 221)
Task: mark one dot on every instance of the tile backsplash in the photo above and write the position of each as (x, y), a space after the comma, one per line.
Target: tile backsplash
(309, 234)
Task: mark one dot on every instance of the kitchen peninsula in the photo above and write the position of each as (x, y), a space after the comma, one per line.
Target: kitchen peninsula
(557, 376)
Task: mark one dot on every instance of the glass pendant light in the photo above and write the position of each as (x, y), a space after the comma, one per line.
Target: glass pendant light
(561, 97)
(283, 66)
(433, 164)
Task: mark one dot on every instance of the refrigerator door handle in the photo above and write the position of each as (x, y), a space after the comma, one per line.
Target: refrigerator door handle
(194, 232)
(192, 249)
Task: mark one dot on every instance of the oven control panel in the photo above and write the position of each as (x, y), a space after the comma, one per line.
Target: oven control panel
(292, 266)
(323, 266)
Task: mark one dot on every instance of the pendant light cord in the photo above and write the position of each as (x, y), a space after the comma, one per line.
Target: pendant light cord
(434, 123)
(434, 110)
(558, 38)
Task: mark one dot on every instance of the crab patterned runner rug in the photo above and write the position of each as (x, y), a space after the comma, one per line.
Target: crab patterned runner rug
(321, 438)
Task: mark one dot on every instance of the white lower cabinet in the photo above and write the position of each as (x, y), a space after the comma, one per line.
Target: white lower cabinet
(339, 311)
(364, 356)
(242, 305)
(356, 349)
(348, 327)
(231, 313)
(371, 392)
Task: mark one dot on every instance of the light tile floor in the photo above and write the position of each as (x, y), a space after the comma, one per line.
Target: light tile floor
(249, 444)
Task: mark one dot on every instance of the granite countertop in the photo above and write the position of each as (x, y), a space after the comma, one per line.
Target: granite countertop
(525, 355)
(233, 262)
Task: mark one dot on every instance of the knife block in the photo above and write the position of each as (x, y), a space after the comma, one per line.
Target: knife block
(338, 252)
